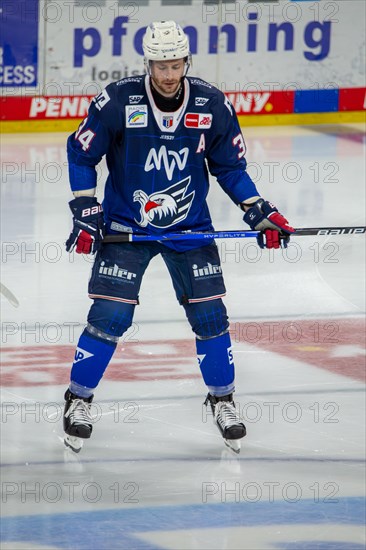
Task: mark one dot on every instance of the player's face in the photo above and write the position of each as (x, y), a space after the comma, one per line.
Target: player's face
(166, 76)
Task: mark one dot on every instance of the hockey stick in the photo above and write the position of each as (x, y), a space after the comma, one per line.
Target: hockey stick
(8, 295)
(196, 235)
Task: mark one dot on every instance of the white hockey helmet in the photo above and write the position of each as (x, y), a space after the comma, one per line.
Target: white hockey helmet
(165, 41)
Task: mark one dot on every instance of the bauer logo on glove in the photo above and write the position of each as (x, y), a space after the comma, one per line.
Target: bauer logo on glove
(91, 211)
(274, 229)
(88, 230)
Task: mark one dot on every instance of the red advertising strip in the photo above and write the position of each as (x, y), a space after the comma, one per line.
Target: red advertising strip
(69, 107)
(17, 108)
(352, 99)
(43, 108)
(261, 103)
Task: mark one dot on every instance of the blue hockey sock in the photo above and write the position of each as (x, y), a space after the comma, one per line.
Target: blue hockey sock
(92, 356)
(216, 362)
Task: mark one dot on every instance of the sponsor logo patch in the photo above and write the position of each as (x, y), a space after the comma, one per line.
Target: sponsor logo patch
(81, 354)
(200, 358)
(167, 160)
(116, 272)
(198, 120)
(209, 270)
(200, 101)
(136, 117)
(133, 99)
(128, 80)
(119, 227)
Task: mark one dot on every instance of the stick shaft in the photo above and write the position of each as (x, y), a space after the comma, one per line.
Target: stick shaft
(8, 295)
(209, 235)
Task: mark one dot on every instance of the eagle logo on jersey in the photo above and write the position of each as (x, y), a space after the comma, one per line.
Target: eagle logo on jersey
(164, 208)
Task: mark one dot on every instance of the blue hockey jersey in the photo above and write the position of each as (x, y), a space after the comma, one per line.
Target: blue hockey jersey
(158, 162)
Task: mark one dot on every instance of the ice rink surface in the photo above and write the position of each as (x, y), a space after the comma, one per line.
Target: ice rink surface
(155, 474)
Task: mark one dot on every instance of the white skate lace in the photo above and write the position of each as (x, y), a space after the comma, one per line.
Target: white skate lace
(79, 412)
(226, 414)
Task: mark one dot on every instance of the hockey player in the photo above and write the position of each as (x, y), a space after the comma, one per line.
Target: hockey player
(161, 134)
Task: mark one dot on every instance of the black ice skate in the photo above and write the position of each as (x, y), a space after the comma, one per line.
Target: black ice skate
(227, 420)
(77, 420)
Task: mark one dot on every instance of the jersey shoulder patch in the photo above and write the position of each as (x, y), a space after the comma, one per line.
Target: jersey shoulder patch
(202, 91)
(130, 90)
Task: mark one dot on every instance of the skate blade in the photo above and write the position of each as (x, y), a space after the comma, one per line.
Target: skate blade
(74, 443)
(233, 444)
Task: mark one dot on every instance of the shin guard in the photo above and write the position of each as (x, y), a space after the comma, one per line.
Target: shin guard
(216, 362)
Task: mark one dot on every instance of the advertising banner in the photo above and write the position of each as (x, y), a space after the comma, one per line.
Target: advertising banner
(277, 58)
(246, 104)
(41, 107)
(19, 21)
(241, 46)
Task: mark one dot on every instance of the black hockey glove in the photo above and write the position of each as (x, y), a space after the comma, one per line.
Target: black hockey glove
(88, 230)
(274, 229)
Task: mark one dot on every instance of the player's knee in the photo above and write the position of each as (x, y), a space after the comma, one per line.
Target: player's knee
(110, 318)
(207, 319)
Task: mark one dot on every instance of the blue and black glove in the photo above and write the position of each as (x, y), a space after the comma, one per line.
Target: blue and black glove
(274, 229)
(88, 230)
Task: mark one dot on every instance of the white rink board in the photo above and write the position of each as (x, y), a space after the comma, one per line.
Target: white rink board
(312, 50)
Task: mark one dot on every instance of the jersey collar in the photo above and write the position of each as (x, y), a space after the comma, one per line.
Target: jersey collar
(167, 122)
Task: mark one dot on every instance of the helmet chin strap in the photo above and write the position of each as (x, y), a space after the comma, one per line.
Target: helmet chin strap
(187, 64)
(147, 66)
